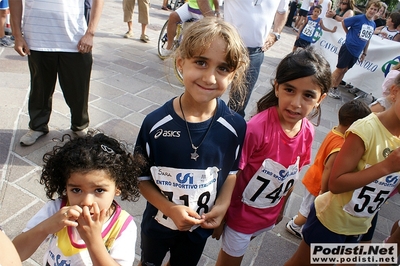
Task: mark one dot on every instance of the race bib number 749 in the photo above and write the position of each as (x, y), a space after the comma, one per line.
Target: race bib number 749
(269, 184)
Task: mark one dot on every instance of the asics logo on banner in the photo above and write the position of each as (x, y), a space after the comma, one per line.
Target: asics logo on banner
(167, 133)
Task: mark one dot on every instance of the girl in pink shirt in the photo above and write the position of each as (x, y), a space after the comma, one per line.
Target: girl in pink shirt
(277, 145)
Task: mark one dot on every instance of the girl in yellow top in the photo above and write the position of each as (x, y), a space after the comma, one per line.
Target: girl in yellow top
(364, 174)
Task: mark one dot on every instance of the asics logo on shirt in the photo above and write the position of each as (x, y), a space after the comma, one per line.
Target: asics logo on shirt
(167, 133)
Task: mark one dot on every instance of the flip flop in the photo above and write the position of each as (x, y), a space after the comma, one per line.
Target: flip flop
(165, 8)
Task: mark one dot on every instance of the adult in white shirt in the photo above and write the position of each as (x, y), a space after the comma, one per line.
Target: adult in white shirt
(254, 20)
(58, 42)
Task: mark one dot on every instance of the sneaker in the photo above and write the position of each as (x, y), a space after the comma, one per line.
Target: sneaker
(81, 133)
(144, 38)
(128, 34)
(31, 137)
(334, 93)
(294, 230)
(6, 42)
(166, 52)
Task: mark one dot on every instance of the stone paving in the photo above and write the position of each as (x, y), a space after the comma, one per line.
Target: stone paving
(128, 82)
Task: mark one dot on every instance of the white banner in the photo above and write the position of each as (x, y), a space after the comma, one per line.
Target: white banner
(368, 75)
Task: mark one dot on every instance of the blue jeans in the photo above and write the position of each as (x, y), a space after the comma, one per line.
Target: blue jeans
(256, 56)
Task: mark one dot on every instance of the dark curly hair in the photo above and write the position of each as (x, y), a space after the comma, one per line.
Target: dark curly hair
(95, 151)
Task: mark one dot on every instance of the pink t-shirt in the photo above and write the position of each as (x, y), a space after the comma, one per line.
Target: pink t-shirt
(264, 139)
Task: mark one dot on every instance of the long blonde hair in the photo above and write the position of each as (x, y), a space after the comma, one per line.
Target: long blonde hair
(198, 38)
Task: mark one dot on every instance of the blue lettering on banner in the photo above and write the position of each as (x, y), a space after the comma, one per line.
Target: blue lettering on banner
(341, 41)
(329, 46)
(370, 66)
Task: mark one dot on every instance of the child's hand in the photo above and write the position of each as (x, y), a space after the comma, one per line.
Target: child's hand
(90, 224)
(213, 218)
(218, 231)
(334, 29)
(392, 161)
(184, 217)
(66, 216)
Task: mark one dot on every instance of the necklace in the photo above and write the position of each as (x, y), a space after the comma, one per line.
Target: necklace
(194, 155)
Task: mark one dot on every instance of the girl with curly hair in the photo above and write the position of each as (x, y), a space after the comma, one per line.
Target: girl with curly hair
(82, 222)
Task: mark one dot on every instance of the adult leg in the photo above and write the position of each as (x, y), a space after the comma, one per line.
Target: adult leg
(3, 18)
(74, 78)
(181, 14)
(293, 8)
(256, 56)
(128, 7)
(43, 68)
(337, 76)
(144, 18)
(173, 20)
(165, 5)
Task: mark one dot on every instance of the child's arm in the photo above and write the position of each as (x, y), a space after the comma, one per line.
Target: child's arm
(183, 217)
(378, 30)
(214, 218)
(301, 28)
(345, 178)
(8, 255)
(27, 242)
(327, 171)
(325, 28)
(364, 53)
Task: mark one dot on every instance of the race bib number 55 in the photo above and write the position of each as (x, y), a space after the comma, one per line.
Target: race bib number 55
(270, 183)
(196, 189)
(367, 200)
